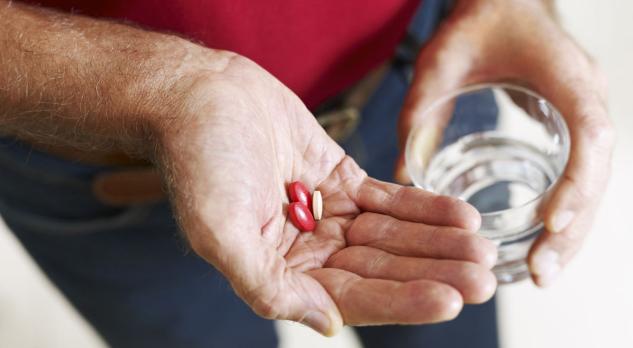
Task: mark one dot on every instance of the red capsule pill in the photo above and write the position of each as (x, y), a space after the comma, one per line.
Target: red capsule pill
(299, 193)
(301, 217)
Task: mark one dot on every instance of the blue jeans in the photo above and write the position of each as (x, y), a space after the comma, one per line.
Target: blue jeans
(128, 273)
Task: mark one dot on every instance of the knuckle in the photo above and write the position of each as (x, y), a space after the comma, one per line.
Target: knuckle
(445, 203)
(335, 259)
(354, 235)
(569, 239)
(266, 303)
(582, 193)
(599, 131)
(400, 195)
(449, 205)
(358, 234)
(565, 244)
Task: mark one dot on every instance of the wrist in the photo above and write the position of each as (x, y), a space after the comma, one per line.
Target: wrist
(172, 99)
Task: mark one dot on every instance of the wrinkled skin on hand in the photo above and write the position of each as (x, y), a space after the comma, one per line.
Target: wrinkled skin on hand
(521, 42)
(382, 253)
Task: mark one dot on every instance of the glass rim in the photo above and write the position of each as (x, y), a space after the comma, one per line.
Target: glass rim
(565, 137)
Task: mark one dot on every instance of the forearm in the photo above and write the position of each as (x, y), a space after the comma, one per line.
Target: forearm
(95, 84)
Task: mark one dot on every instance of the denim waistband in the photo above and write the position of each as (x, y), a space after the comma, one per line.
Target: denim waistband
(41, 183)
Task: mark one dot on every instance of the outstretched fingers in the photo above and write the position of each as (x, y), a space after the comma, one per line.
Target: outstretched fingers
(475, 283)
(406, 238)
(415, 205)
(363, 301)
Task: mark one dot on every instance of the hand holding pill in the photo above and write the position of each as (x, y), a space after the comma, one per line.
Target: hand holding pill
(344, 249)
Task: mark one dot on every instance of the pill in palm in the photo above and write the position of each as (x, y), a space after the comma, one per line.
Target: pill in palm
(301, 217)
(299, 193)
(317, 205)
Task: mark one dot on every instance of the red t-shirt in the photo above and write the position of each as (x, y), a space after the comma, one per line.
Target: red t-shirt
(317, 48)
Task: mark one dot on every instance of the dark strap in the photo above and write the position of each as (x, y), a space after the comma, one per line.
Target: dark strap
(341, 115)
(424, 23)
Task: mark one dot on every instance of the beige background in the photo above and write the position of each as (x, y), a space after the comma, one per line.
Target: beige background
(591, 305)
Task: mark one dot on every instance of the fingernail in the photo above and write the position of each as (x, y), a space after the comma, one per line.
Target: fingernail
(317, 321)
(402, 176)
(561, 220)
(336, 323)
(423, 144)
(546, 266)
(547, 280)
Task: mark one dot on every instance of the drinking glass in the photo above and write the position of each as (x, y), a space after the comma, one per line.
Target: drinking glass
(500, 147)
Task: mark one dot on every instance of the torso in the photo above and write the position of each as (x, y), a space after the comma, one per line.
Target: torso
(317, 48)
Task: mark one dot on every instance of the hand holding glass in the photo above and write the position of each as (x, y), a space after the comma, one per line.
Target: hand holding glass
(501, 148)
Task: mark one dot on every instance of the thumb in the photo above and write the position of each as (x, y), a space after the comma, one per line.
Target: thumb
(261, 277)
(443, 65)
(278, 292)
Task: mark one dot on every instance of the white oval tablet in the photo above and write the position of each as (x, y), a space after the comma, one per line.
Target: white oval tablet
(317, 205)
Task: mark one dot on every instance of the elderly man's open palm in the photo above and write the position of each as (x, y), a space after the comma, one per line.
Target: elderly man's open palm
(382, 253)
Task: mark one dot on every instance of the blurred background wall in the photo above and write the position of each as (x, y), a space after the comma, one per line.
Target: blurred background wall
(591, 306)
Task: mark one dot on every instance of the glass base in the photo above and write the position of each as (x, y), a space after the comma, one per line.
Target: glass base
(512, 264)
(511, 272)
